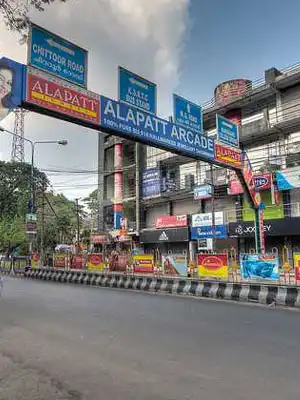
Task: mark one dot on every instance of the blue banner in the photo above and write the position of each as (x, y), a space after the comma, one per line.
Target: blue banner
(202, 192)
(137, 91)
(187, 114)
(151, 185)
(11, 84)
(55, 55)
(227, 131)
(132, 123)
(288, 179)
(257, 266)
(118, 219)
(207, 232)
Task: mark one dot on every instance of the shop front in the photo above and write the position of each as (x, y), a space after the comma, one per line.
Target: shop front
(280, 234)
(170, 247)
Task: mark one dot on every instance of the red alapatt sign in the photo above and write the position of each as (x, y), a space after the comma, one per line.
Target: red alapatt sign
(227, 155)
(55, 95)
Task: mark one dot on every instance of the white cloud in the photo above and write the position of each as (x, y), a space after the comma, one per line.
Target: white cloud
(143, 36)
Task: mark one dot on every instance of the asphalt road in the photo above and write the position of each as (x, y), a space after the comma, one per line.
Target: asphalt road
(69, 342)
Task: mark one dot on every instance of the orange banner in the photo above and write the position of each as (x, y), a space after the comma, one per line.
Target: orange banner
(227, 155)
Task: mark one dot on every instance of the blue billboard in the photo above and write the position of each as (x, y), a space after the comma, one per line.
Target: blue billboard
(11, 85)
(202, 192)
(227, 131)
(258, 266)
(187, 114)
(137, 91)
(151, 185)
(55, 55)
(132, 123)
(207, 232)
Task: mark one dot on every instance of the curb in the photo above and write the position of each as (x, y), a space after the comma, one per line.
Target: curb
(244, 292)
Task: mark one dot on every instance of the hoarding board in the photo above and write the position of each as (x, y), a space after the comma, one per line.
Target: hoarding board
(227, 131)
(48, 92)
(187, 114)
(174, 264)
(212, 266)
(202, 192)
(170, 221)
(57, 56)
(228, 156)
(137, 91)
(133, 124)
(143, 263)
(259, 266)
(151, 185)
(11, 78)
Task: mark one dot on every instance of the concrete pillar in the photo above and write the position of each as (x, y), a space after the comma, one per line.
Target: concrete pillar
(118, 186)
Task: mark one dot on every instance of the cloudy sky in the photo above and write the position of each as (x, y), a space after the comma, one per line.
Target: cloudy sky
(187, 46)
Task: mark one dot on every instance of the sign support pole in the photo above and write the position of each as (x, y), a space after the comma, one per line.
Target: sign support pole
(213, 216)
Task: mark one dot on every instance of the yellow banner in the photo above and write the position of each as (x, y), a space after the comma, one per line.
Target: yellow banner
(95, 262)
(221, 272)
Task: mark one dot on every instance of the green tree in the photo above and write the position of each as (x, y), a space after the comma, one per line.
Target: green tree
(15, 187)
(15, 12)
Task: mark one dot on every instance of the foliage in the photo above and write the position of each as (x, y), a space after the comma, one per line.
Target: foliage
(15, 12)
(15, 187)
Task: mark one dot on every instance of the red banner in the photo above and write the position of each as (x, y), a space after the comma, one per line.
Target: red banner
(48, 92)
(98, 239)
(249, 180)
(170, 221)
(263, 181)
(77, 261)
(227, 155)
(213, 265)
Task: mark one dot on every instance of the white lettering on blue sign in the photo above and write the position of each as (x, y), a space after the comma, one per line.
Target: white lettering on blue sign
(153, 130)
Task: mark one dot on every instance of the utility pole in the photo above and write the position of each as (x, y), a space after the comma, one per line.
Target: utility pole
(213, 216)
(78, 225)
(42, 231)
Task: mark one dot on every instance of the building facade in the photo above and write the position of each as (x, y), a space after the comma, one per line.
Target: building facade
(143, 185)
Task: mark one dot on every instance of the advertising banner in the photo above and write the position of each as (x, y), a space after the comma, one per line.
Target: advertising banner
(95, 262)
(258, 266)
(60, 260)
(175, 264)
(263, 181)
(151, 183)
(228, 156)
(262, 232)
(55, 95)
(187, 114)
(35, 260)
(249, 179)
(288, 179)
(137, 91)
(234, 185)
(11, 84)
(207, 232)
(132, 123)
(170, 221)
(143, 263)
(205, 219)
(57, 56)
(227, 131)
(212, 266)
(297, 260)
(77, 261)
(202, 192)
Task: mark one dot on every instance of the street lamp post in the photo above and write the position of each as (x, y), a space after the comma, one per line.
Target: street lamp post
(32, 187)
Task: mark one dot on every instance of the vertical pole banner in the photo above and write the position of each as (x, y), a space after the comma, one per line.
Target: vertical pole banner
(262, 232)
(95, 262)
(213, 266)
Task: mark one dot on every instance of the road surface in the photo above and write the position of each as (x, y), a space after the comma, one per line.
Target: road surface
(71, 342)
